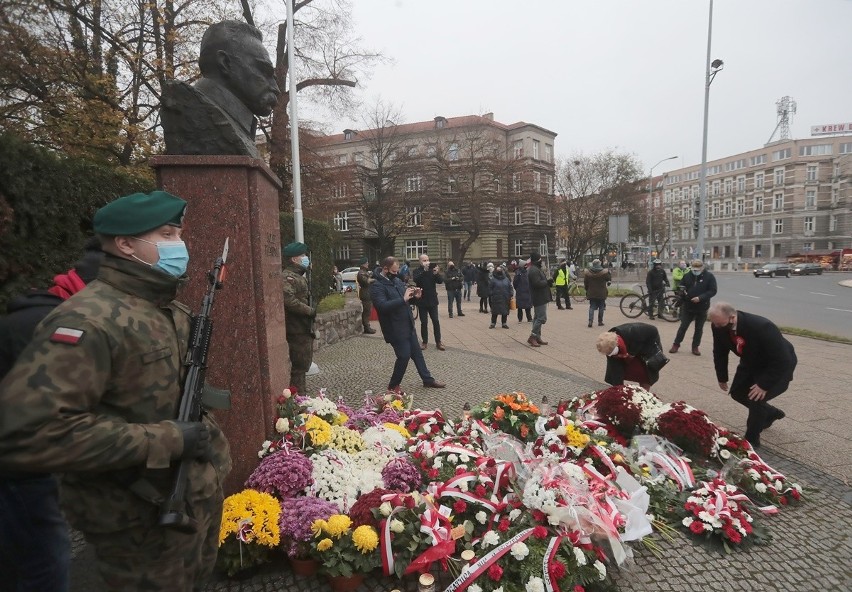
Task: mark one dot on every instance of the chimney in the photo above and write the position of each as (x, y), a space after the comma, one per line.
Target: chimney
(489, 116)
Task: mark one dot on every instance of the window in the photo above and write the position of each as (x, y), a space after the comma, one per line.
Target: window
(453, 153)
(549, 215)
(714, 170)
(728, 209)
(758, 204)
(810, 198)
(757, 228)
(516, 181)
(779, 176)
(758, 180)
(517, 148)
(496, 182)
(548, 179)
(716, 209)
(452, 185)
(359, 158)
(343, 252)
(548, 152)
(347, 134)
(537, 215)
(807, 246)
(740, 184)
(812, 172)
(517, 212)
(414, 248)
(341, 221)
(740, 206)
(756, 160)
(414, 216)
(832, 222)
(339, 190)
(727, 230)
(834, 196)
(815, 150)
(455, 219)
(412, 183)
(498, 215)
(846, 148)
(715, 231)
(782, 154)
(518, 248)
(729, 186)
(778, 202)
(536, 145)
(778, 226)
(440, 122)
(809, 223)
(536, 181)
(542, 247)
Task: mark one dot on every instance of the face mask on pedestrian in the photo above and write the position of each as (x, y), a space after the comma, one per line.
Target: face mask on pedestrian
(682, 266)
(305, 261)
(173, 257)
(696, 271)
(425, 264)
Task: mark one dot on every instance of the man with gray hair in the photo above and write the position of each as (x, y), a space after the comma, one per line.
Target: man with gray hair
(767, 362)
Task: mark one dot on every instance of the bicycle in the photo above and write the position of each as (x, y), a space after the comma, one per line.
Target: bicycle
(635, 305)
(577, 292)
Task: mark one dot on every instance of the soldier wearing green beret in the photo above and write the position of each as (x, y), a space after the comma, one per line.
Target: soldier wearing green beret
(364, 279)
(95, 394)
(299, 313)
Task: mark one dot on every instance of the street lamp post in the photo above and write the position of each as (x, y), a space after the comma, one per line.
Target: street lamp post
(709, 74)
(651, 205)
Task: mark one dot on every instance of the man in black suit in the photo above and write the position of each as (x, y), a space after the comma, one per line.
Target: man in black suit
(767, 361)
(427, 276)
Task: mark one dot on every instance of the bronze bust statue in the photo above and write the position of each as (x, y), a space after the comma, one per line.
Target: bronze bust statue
(216, 115)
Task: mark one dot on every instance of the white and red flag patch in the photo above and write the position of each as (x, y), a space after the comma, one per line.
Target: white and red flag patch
(67, 335)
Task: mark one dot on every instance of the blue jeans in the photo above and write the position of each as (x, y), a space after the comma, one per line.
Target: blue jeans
(596, 304)
(35, 547)
(539, 318)
(454, 296)
(406, 350)
(467, 287)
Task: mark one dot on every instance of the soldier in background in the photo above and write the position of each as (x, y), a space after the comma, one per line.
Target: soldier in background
(95, 394)
(364, 279)
(300, 314)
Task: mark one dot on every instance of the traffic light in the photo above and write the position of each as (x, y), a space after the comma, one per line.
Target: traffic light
(695, 225)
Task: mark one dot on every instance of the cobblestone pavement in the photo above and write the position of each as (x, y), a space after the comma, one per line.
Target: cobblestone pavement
(812, 542)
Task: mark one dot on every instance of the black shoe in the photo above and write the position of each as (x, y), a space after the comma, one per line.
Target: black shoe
(600, 324)
(461, 314)
(451, 315)
(369, 331)
(505, 326)
(772, 416)
(754, 441)
(569, 308)
(590, 323)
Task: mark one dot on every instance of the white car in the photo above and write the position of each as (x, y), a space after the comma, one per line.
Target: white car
(349, 274)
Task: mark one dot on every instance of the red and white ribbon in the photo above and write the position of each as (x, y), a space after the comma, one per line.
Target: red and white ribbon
(484, 562)
(550, 583)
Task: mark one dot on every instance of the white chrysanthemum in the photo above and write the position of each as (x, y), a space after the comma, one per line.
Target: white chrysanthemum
(282, 425)
(320, 406)
(513, 515)
(687, 521)
(722, 441)
(725, 454)
(481, 517)
(382, 437)
(464, 458)
(489, 539)
(601, 569)
(520, 551)
(453, 458)
(474, 588)
(536, 584)
(580, 556)
(760, 487)
(438, 462)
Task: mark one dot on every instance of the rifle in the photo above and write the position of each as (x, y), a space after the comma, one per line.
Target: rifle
(312, 325)
(173, 511)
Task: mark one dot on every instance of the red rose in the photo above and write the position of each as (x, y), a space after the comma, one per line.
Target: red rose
(503, 525)
(538, 516)
(495, 572)
(459, 506)
(557, 569)
(783, 500)
(579, 588)
(795, 493)
(479, 490)
(281, 399)
(409, 502)
(433, 473)
(540, 532)
(697, 526)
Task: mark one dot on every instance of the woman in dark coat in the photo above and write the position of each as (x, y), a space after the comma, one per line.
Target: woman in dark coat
(627, 347)
(483, 278)
(523, 298)
(501, 292)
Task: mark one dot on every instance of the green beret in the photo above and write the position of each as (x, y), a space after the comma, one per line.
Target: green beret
(295, 249)
(139, 213)
(362, 261)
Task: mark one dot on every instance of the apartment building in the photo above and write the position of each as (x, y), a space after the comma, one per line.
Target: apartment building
(788, 197)
(448, 187)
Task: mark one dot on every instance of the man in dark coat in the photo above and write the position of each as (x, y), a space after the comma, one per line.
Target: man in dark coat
(767, 362)
(392, 298)
(656, 281)
(453, 283)
(696, 288)
(540, 292)
(523, 298)
(427, 277)
(626, 348)
(483, 278)
(469, 275)
(596, 281)
(501, 293)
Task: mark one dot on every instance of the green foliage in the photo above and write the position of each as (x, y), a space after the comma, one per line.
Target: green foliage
(321, 240)
(331, 302)
(46, 208)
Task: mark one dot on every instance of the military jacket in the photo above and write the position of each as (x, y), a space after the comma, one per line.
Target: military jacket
(364, 280)
(296, 298)
(93, 394)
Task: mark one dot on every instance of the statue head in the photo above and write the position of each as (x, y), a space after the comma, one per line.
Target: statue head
(232, 53)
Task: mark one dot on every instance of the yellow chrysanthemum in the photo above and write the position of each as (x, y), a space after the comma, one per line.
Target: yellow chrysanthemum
(338, 524)
(317, 527)
(258, 510)
(341, 418)
(397, 428)
(346, 440)
(398, 405)
(575, 437)
(325, 545)
(318, 430)
(365, 538)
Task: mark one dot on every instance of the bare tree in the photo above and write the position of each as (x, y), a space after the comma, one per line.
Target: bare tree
(591, 189)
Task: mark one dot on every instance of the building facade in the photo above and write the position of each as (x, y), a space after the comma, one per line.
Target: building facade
(787, 198)
(461, 186)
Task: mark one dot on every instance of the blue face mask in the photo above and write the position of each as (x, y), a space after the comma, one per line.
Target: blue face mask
(173, 257)
(305, 261)
(697, 271)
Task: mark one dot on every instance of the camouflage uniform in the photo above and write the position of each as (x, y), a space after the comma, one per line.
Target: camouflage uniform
(93, 394)
(363, 278)
(299, 314)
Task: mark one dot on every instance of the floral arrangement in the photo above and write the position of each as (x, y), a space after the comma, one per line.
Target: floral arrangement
(561, 442)
(362, 510)
(401, 475)
(249, 529)
(715, 510)
(424, 425)
(345, 551)
(687, 427)
(764, 484)
(385, 438)
(346, 439)
(318, 431)
(511, 413)
(334, 479)
(283, 474)
(297, 516)
(396, 400)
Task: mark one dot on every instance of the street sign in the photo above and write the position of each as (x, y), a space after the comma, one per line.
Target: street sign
(618, 228)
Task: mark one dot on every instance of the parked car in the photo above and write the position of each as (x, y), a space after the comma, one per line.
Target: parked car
(806, 269)
(349, 274)
(773, 269)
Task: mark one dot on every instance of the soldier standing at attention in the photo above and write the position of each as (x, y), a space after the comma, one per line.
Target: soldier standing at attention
(364, 279)
(299, 313)
(94, 394)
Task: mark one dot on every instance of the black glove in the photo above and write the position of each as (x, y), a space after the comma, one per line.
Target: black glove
(313, 313)
(196, 440)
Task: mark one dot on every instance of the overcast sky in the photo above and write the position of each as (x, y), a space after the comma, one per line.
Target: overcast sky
(625, 74)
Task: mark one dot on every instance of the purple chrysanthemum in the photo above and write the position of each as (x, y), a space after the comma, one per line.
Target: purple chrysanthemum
(297, 516)
(401, 475)
(283, 474)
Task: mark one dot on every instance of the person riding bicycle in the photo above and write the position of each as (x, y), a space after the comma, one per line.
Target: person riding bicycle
(656, 281)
